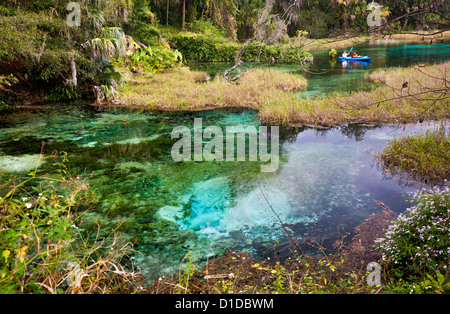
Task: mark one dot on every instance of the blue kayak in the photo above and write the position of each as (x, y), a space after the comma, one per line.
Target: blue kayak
(348, 59)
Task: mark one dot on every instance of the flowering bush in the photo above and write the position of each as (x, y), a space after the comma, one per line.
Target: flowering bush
(418, 241)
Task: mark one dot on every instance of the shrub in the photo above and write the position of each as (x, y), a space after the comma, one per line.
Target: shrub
(156, 58)
(417, 242)
(201, 48)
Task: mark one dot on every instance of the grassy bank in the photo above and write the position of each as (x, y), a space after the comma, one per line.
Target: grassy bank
(191, 90)
(424, 157)
(404, 95)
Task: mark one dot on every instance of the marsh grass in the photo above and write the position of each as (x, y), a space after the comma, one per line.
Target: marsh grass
(424, 157)
(192, 90)
(405, 95)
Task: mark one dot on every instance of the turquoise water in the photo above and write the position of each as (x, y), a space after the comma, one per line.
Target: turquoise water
(326, 76)
(326, 180)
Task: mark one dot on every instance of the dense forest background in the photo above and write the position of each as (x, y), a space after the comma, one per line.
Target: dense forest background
(43, 58)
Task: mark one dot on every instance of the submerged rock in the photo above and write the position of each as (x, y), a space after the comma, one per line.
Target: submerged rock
(18, 164)
(204, 206)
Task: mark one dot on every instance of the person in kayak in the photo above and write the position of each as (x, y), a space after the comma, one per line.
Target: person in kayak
(345, 54)
(355, 55)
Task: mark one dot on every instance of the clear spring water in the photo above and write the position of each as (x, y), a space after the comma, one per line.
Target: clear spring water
(327, 76)
(326, 179)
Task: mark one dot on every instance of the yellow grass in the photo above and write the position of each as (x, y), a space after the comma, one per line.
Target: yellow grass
(407, 95)
(189, 90)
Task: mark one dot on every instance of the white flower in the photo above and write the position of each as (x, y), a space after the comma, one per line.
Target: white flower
(24, 199)
(29, 205)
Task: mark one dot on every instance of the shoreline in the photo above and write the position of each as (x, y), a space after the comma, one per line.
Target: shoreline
(341, 42)
(265, 112)
(386, 104)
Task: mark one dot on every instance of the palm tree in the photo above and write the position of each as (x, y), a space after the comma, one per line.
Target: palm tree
(102, 51)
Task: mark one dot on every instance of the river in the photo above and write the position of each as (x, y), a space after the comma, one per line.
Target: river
(325, 181)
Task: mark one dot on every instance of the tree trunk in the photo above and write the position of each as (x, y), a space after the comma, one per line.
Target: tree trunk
(183, 17)
(345, 16)
(167, 13)
(406, 19)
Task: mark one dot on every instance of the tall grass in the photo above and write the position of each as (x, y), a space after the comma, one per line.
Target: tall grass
(190, 90)
(407, 95)
(422, 157)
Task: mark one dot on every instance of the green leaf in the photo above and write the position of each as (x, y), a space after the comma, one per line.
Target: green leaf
(5, 255)
(440, 279)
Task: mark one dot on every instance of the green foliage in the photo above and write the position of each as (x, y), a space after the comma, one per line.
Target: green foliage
(202, 48)
(317, 23)
(7, 80)
(60, 93)
(42, 246)
(434, 285)
(417, 243)
(148, 34)
(423, 156)
(36, 229)
(206, 27)
(247, 17)
(154, 59)
(222, 14)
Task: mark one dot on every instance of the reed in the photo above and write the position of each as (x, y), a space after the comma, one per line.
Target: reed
(423, 157)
